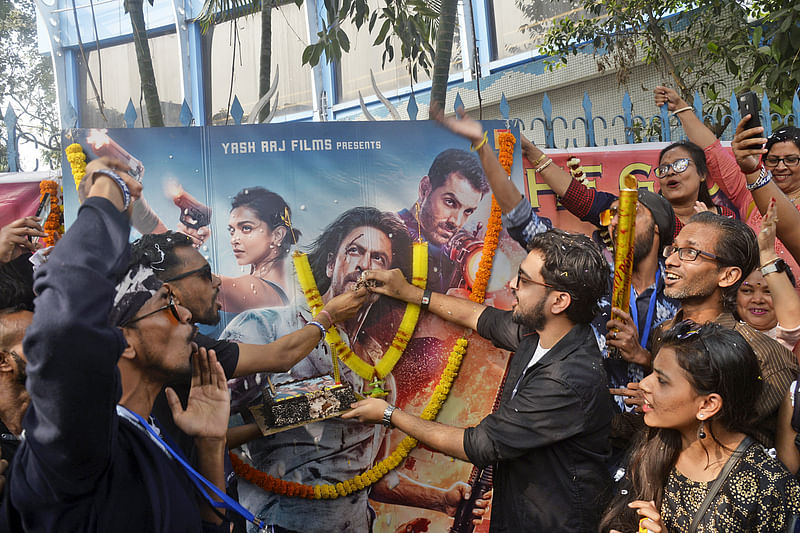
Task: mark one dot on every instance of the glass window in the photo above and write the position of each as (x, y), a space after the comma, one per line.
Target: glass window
(353, 69)
(120, 83)
(289, 38)
(519, 25)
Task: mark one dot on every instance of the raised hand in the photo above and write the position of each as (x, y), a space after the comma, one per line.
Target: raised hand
(468, 128)
(208, 409)
(14, 237)
(670, 97)
(766, 237)
(748, 146)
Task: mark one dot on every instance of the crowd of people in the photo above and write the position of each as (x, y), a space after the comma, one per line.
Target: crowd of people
(677, 413)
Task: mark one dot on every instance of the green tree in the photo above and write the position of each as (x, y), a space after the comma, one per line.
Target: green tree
(672, 33)
(144, 61)
(26, 81)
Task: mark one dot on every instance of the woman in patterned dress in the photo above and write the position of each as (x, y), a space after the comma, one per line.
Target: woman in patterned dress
(699, 402)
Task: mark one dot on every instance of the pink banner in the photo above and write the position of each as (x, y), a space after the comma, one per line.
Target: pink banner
(17, 200)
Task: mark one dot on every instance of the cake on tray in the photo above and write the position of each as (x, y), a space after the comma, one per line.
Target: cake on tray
(300, 402)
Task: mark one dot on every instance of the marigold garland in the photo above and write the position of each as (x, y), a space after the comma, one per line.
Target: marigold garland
(407, 325)
(53, 226)
(77, 162)
(439, 396)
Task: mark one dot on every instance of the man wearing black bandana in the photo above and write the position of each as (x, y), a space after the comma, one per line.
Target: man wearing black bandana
(98, 353)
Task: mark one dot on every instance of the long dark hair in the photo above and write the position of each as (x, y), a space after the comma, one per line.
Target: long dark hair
(715, 359)
(271, 208)
(698, 157)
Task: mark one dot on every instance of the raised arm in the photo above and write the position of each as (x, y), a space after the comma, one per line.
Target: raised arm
(785, 299)
(71, 349)
(748, 148)
(456, 310)
(288, 350)
(696, 131)
(504, 190)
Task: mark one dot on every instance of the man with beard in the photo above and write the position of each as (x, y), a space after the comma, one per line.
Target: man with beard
(655, 227)
(103, 342)
(548, 439)
(14, 399)
(448, 195)
(334, 450)
(704, 268)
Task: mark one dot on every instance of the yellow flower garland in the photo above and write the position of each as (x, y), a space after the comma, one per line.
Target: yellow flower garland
(77, 162)
(440, 393)
(407, 325)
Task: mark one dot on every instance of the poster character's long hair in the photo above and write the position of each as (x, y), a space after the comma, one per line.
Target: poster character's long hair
(327, 244)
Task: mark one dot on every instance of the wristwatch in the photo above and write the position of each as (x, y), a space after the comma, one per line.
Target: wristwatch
(779, 265)
(387, 416)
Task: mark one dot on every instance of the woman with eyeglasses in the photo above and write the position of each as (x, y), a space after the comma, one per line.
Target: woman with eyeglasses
(695, 468)
(260, 237)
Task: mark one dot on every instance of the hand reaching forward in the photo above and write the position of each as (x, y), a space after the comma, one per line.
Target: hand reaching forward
(208, 409)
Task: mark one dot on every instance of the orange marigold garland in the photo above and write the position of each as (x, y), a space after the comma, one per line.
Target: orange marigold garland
(329, 491)
(54, 225)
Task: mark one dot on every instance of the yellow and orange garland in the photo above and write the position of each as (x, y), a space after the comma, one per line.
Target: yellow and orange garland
(54, 225)
(328, 491)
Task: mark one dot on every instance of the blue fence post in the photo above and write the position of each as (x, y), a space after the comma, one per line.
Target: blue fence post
(130, 114)
(795, 110)
(10, 120)
(627, 113)
(458, 102)
(589, 125)
(186, 114)
(666, 133)
(547, 122)
(504, 107)
(412, 109)
(766, 116)
(236, 111)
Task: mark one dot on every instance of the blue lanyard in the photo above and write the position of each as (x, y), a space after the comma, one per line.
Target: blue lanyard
(651, 308)
(199, 481)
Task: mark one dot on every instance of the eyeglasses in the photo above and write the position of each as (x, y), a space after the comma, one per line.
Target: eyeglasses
(173, 313)
(678, 166)
(204, 271)
(526, 279)
(608, 215)
(689, 254)
(789, 161)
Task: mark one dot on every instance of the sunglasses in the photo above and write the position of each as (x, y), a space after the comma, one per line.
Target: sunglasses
(678, 166)
(526, 279)
(204, 271)
(789, 161)
(172, 307)
(689, 254)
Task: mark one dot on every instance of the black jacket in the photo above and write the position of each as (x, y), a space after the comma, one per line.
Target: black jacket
(550, 441)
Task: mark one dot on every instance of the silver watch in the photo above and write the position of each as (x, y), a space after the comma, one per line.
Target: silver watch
(387, 416)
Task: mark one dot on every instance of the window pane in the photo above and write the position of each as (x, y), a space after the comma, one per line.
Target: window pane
(289, 34)
(353, 69)
(520, 25)
(120, 83)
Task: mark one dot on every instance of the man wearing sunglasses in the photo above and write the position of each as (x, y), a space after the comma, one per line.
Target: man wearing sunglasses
(704, 268)
(548, 439)
(104, 340)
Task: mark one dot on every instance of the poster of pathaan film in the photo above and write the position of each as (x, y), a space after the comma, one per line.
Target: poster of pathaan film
(352, 196)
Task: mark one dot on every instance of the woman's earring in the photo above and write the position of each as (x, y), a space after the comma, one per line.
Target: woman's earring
(701, 434)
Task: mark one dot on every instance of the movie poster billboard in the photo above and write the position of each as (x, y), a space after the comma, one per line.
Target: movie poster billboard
(221, 184)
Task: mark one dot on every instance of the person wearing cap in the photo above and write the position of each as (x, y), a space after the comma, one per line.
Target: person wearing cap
(105, 338)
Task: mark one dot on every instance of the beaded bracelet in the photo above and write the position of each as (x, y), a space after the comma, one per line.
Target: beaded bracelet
(320, 326)
(126, 193)
(681, 110)
(764, 177)
(544, 165)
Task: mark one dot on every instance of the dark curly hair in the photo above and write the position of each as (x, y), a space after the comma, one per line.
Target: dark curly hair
(156, 250)
(573, 263)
